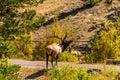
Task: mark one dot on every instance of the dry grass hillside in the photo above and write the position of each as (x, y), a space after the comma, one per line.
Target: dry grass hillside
(74, 13)
(70, 13)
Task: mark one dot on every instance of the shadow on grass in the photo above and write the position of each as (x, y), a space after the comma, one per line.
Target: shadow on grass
(37, 74)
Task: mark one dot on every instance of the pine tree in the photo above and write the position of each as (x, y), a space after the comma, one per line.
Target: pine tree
(13, 25)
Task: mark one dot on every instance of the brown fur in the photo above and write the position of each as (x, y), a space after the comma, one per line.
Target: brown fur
(53, 50)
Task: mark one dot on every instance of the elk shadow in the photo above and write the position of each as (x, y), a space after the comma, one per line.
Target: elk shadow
(65, 14)
(36, 74)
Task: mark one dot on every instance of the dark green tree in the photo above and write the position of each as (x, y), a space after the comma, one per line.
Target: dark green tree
(14, 25)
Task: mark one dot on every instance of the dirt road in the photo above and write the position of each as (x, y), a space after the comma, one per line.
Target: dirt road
(42, 65)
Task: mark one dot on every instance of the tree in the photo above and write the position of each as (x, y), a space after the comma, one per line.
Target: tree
(105, 45)
(63, 35)
(13, 25)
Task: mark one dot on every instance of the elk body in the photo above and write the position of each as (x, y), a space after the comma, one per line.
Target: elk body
(53, 50)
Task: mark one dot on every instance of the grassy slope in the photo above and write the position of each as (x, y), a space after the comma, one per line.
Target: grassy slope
(74, 13)
(82, 20)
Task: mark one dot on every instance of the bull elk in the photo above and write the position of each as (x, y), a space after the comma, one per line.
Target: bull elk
(55, 49)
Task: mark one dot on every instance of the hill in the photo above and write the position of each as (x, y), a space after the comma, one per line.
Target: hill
(74, 13)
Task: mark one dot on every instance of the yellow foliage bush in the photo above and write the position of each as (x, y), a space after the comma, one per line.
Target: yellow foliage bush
(59, 31)
(23, 47)
(68, 57)
(106, 43)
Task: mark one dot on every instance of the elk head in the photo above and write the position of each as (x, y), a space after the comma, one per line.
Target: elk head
(64, 41)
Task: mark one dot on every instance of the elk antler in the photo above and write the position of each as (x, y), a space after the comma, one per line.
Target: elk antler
(64, 42)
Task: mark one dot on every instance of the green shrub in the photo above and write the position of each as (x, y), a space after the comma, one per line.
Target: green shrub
(92, 2)
(83, 75)
(68, 57)
(111, 74)
(75, 73)
(39, 52)
(69, 73)
(66, 73)
(22, 47)
(8, 71)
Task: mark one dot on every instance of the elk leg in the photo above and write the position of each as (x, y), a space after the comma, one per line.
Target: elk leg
(52, 61)
(56, 59)
(78, 58)
(47, 57)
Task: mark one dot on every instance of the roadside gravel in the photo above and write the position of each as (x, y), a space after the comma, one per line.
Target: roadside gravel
(42, 65)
